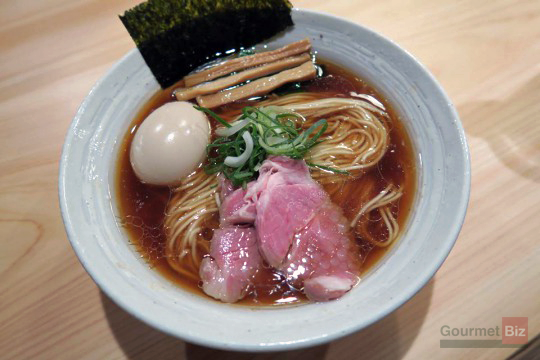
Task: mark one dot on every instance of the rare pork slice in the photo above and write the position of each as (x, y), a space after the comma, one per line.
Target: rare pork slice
(236, 210)
(288, 220)
(323, 258)
(301, 232)
(233, 263)
(234, 259)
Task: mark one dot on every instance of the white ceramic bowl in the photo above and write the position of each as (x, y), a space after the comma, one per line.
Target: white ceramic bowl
(87, 200)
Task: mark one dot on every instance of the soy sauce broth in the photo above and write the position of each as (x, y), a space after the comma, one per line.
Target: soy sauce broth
(142, 207)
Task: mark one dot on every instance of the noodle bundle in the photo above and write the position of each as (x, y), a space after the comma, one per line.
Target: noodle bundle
(191, 207)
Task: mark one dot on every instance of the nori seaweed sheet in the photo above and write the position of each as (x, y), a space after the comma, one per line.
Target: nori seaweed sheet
(176, 36)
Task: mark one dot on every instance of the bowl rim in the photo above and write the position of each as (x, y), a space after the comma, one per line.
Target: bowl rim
(421, 281)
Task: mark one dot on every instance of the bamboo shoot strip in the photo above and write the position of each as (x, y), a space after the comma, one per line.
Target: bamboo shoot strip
(211, 87)
(261, 86)
(245, 62)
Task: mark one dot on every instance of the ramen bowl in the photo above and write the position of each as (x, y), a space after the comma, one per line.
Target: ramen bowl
(89, 202)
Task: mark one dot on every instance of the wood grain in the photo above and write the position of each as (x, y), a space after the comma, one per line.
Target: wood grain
(486, 54)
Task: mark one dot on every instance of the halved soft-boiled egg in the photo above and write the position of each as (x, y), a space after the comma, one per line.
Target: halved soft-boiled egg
(170, 144)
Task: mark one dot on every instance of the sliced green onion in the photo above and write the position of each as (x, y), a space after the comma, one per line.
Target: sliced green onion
(228, 131)
(241, 147)
(328, 168)
(237, 161)
(213, 114)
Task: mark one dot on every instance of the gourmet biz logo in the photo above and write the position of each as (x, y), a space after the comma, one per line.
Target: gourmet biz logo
(515, 332)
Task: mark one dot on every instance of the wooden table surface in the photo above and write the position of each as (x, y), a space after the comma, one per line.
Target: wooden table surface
(486, 54)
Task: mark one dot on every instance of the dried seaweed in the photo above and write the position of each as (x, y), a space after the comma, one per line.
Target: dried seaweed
(176, 36)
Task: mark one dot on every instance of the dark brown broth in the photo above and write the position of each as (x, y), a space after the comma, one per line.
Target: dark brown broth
(142, 207)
